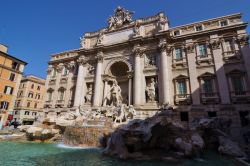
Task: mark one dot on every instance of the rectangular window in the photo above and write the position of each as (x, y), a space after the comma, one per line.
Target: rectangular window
(12, 77)
(8, 90)
(15, 66)
(49, 96)
(28, 104)
(212, 114)
(4, 105)
(237, 82)
(182, 89)
(208, 86)
(199, 28)
(176, 33)
(184, 116)
(203, 50)
(223, 23)
(243, 118)
(18, 104)
(38, 87)
(66, 72)
(178, 53)
(229, 44)
(61, 96)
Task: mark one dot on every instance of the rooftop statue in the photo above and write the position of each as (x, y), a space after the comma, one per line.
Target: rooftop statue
(121, 17)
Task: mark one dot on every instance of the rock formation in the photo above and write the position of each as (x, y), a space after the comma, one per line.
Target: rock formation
(156, 137)
(160, 137)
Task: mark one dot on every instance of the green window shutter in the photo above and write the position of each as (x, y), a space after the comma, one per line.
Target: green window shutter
(178, 53)
(182, 87)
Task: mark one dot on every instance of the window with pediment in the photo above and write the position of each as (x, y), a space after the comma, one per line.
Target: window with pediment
(178, 53)
(207, 84)
(182, 91)
(238, 83)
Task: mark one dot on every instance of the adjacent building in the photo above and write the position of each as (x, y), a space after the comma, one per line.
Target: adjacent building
(200, 69)
(11, 70)
(30, 99)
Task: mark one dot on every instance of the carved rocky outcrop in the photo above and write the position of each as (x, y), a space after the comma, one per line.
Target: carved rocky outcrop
(34, 133)
(160, 137)
(140, 138)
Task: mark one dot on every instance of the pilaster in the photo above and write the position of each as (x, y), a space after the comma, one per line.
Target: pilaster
(193, 76)
(219, 70)
(245, 50)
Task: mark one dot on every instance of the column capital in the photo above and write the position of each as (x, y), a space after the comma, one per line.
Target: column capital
(71, 65)
(50, 69)
(59, 67)
(190, 48)
(130, 74)
(99, 56)
(215, 44)
(138, 51)
(162, 45)
(82, 60)
(243, 40)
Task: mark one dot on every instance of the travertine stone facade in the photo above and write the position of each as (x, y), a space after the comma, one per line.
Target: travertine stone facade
(30, 99)
(200, 66)
(11, 70)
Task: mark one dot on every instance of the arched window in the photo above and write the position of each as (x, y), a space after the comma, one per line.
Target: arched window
(20, 94)
(30, 95)
(61, 92)
(49, 94)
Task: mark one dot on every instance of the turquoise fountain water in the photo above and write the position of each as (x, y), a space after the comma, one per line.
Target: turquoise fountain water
(40, 154)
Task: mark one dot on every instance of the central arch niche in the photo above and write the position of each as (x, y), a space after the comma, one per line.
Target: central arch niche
(118, 71)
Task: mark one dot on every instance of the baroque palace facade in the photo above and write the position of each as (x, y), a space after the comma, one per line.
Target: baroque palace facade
(11, 71)
(199, 69)
(30, 99)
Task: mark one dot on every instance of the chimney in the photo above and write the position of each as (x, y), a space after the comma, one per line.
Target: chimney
(3, 48)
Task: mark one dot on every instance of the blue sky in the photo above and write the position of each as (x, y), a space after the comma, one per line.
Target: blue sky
(35, 29)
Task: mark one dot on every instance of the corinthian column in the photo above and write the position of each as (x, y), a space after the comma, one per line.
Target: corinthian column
(98, 80)
(164, 75)
(137, 82)
(79, 92)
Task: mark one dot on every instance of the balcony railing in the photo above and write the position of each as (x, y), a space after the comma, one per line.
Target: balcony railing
(240, 96)
(207, 58)
(208, 98)
(234, 55)
(59, 103)
(182, 99)
(179, 62)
